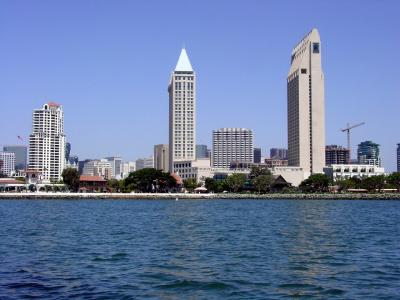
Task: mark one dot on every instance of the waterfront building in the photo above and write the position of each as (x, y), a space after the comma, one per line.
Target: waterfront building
(198, 169)
(232, 145)
(144, 163)
(271, 163)
(278, 153)
(7, 163)
(116, 166)
(20, 155)
(202, 151)
(182, 112)
(101, 168)
(161, 157)
(346, 171)
(336, 155)
(306, 108)
(368, 154)
(257, 155)
(398, 157)
(47, 142)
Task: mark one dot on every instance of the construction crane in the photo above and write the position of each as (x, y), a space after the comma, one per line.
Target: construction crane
(348, 134)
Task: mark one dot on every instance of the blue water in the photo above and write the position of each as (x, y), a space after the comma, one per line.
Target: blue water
(209, 249)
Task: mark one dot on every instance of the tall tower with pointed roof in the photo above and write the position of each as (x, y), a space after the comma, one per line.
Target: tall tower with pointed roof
(182, 112)
(306, 106)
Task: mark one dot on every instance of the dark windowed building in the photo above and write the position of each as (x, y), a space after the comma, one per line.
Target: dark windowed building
(336, 155)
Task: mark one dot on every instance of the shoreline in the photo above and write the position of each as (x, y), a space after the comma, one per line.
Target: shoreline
(182, 196)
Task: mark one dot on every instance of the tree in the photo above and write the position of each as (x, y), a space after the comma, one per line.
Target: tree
(210, 184)
(235, 182)
(263, 183)
(373, 183)
(71, 178)
(190, 184)
(394, 180)
(113, 184)
(345, 184)
(315, 183)
(256, 171)
(149, 180)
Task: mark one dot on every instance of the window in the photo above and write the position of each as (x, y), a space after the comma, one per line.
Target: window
(315, 47)
(303, 71)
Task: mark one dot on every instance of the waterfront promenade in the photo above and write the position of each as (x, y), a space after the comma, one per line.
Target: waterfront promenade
(174, 196)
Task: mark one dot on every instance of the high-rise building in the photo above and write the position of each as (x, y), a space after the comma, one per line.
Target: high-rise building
(398, 157)
(7, 163)
(257, 155)
(116, 166)
(67, 151)
(161, 157)
(278, 153)
(368, 154)
(306, 108)
(20, 155)
(202, 151)
(47, 142)
(232, 145)
(101, 168)
(144, 163)
(182, 112)
(336, 155)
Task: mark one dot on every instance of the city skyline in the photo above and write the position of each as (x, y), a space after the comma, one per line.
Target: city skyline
(90, 95)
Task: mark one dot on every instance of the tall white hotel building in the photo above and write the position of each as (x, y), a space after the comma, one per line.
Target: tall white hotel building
(182, 112)
(47, 142)
(306, 112)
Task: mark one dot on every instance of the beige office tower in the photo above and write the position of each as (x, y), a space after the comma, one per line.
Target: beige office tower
(306, 107)
(161, 157)
(182, 112)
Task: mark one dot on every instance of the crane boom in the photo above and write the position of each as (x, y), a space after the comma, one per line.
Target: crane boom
(347, 130)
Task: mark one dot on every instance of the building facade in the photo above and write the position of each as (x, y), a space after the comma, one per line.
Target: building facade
(144, 163)
(202, 151)
(306, 108)
(257, 155)
(336, 155)
(161, 157)
(182, 112)
(47, 142)
(271, 163)
(346, 171)
(101, 168)
(232, 145)
(21, 155)
(368, 154)
(278, 153)
(116, 166)
(7, 163)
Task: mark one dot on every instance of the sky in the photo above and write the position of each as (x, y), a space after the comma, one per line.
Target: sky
(109, 62)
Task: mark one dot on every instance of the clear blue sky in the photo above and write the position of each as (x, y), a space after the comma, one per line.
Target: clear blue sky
(109, 62)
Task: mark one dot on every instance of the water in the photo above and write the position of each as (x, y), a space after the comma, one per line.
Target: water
(203, 249)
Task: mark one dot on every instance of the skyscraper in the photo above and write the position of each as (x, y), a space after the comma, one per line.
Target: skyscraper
(182, 112)
(47, 142)
(278, 153)
(257, 155)
(20, 155)
(306, 108)
(231, 145)
(368, 154)
(202, 151)
(161, 157)
(7, 163)
(398, 157)
(336, 155)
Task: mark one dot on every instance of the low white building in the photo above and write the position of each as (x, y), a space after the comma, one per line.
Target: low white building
(338, 172)
(7, 163)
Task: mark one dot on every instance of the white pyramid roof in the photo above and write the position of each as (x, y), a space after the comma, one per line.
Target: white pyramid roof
(183, 62)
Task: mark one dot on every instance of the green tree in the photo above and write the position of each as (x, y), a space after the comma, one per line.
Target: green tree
(149, 180)
(71, 178)
(315, 183)
(345, 184)
(113, 185)
(256, 171)
(262, 183)
(235, 182)
(373, 183)
(394, 180)
(210, 184)
(190, 184)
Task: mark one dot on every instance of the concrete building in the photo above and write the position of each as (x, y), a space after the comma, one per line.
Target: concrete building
(21, 157)
(271, 163)
(143, 163)
(202, 151)
(47, 142)
(346, 171)
(161, 157)
(368, 154)
(116, 166)
(398, 157)
(257, 155)
(199, 169)
(278, 153)
(336, 155)
(182, 112)
(232, 145)
(101, 168)
(306, 108)
(7, 163)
